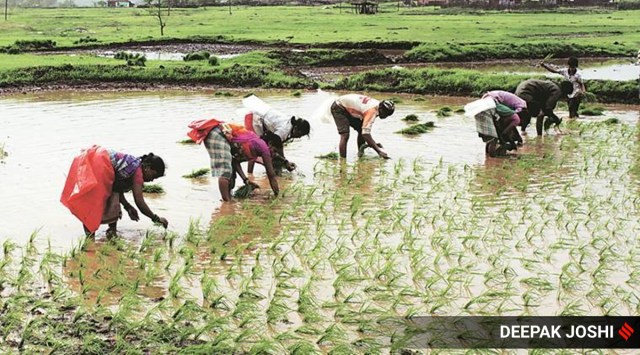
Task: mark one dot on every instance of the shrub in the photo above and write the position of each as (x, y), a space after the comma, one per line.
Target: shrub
(87, 39)
(200, 55)
(214, 61)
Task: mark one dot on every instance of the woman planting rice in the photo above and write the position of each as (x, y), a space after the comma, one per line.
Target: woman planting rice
(274, 126)
(96, 183)
(228, 145)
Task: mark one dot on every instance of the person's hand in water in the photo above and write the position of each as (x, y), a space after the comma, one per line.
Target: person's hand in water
(133, 213)
(164, 222)
(290, 166)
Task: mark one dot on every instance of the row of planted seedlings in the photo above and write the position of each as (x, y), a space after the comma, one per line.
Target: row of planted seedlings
(343, 264)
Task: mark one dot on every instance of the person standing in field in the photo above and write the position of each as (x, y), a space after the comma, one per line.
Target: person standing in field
(228, 145)
(572, 75)
(542, 96)
(359, 112)
(97, 181)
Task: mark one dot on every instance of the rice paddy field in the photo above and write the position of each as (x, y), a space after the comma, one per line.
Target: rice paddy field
(342, 260)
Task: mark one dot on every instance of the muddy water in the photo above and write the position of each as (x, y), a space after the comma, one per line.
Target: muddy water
(42, 133)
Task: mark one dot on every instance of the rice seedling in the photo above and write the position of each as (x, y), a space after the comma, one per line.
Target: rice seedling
(197, 173)
(187, 141)
(592, 111)
(244, 191)
(152, 189)
(411, 118)
(444, 111)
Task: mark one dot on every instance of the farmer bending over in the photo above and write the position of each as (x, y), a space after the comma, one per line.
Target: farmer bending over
(359, 112)
(114, 174)
(541, 97)
(275, 127)
(228, 145)
(511, 116)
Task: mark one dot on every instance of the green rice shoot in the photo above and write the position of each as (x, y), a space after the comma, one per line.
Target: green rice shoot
(411, 118)
(197, 173)
(244, 191)
(152, 189)
(416, 129)
(329, 156)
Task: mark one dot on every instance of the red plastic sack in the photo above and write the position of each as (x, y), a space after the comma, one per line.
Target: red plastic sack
(88, 186)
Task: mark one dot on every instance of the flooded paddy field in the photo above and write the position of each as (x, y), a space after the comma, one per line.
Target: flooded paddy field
(340, 260)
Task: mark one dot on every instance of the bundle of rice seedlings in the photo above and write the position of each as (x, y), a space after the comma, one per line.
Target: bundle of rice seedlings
(444, 111)
(592, 111)
(152, 189)
(417, 128)
(244, 191)
(410, 118)
(197, 173)
(329, 156)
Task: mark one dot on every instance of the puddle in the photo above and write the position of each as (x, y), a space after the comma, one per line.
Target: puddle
(152, 55)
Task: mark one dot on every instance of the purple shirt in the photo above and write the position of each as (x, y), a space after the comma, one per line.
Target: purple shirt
(508, 99)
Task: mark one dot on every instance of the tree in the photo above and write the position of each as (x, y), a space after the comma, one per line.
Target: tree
(155, 9)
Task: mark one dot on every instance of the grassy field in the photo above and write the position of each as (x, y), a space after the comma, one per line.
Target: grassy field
(324, 24)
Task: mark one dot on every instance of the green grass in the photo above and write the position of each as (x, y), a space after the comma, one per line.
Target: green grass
(422, 24)
(468, 83)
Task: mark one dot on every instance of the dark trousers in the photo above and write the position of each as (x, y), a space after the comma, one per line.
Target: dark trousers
(574, 105)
